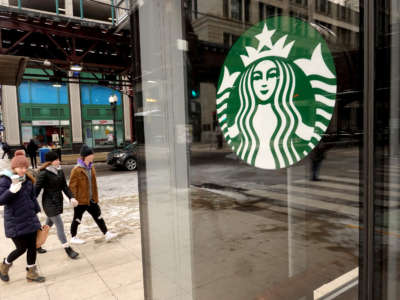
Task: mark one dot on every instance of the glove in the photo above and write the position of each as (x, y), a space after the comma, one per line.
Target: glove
(15, 187)
(74, 202)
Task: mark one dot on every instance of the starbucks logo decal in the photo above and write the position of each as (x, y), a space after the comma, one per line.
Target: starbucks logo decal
(276, 93)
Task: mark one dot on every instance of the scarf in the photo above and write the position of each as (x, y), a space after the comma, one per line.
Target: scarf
(82, 164)
(53, 169)
(10, 174)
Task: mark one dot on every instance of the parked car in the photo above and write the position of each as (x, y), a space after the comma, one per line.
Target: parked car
(125, 157)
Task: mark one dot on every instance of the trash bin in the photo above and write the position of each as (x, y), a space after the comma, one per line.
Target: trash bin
(42, 154)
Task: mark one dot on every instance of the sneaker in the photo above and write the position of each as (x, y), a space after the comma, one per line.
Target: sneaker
(75, 240)
(110, 235)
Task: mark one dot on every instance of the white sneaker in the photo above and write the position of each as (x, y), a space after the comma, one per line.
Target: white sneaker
(110, 235)
(75, 240)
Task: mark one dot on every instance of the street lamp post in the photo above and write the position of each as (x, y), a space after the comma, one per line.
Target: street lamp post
(113, 102)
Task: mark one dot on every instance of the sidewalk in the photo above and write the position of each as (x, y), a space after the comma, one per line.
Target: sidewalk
(103, 271)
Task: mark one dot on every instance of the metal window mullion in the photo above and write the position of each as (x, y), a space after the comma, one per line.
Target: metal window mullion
(367, 236)
(81, 8)
(112, 12)
(57, 6)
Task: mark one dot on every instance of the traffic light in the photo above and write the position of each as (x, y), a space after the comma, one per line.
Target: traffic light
(194, 88)
(195, 93)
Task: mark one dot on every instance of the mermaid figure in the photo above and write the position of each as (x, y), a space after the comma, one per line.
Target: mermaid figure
(268, 128)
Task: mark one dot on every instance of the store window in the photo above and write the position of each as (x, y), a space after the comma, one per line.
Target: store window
(98, 116)
(45, 114)
(265, 204)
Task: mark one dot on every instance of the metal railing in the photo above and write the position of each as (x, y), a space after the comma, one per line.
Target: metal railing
(119, 9)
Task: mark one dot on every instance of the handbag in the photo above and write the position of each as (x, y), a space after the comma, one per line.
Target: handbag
(42, 235)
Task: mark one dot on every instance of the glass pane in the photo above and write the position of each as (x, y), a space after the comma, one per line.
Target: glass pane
(45, 93)
(236, 9)
(251, 151)
(23, 92)
(387, 133)
(100, 95)
(85, 94)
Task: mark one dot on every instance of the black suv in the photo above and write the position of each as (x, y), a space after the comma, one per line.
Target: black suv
(125, 157)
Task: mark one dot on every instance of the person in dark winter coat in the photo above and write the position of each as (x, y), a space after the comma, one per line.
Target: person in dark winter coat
(83, 185)
(32, 152)
(6, 150)
(17, 194)
(316, 157)
(52, 180)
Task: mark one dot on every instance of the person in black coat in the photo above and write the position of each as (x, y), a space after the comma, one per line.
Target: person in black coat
(316, 157)
(6, 150)
(32, 150)
(52, 180)
(17, 194)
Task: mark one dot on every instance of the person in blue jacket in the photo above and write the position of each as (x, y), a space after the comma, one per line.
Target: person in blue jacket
(17, 194)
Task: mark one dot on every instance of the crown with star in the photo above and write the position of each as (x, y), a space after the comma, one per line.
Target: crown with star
(266, 48)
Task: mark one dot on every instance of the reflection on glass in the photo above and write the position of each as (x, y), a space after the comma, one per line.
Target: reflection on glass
(219, 225)
(387, 125)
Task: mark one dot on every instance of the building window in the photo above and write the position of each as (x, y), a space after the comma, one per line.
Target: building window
(226, 8)
(266, 11)
(237, 10)
(247, 10)
(44, 113)
(300, 2)
(343, 13)
(230, 39)
(98, 117)
(321, 6)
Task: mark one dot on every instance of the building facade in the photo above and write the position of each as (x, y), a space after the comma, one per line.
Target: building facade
(68, 115)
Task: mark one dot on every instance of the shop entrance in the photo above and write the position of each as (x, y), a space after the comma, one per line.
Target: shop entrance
(52, 136)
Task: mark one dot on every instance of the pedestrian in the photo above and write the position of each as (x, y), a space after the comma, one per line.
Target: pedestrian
(317, 156)
(83, 185)
(17, 194)
(32, 152)
(6, 150)
(52, 180)
(219, 138)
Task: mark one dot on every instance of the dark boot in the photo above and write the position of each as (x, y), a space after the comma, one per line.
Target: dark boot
(33, 275)
(41, 250)
(71, 253)
(4, 268)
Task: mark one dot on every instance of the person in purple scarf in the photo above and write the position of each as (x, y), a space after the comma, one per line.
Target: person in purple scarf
(83, 185)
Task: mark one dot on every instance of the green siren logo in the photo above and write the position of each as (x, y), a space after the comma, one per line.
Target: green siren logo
(276, 93)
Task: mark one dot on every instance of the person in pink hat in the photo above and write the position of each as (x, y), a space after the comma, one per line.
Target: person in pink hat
(17, 194)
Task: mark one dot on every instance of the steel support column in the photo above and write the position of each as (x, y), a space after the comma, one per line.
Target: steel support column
(367, 208)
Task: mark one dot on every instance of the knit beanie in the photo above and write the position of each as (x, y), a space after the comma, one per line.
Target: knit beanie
(51, 156)
(86, 151)
(19, 160)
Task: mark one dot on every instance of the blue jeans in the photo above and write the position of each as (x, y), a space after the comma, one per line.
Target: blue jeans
(59, 226)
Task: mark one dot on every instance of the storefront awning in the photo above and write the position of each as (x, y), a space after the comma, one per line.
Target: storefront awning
(12, 69)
